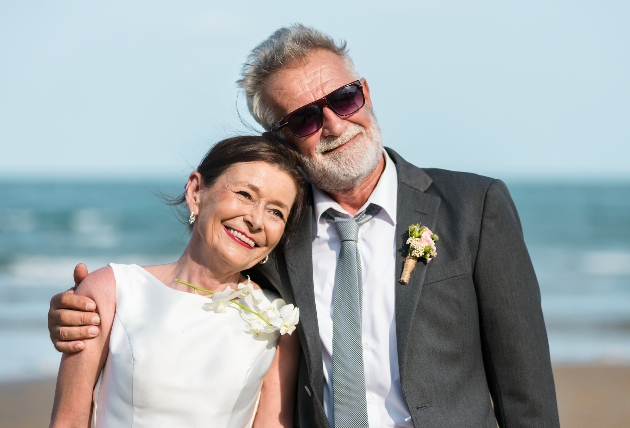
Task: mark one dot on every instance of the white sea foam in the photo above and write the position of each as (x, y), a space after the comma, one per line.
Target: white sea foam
(27, 355)
(94, 229)
(588, 347)
(55, 271)
(608, 263)
(605, 308)
(17, 221)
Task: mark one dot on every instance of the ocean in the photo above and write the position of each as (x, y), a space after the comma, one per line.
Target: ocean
(578, 236)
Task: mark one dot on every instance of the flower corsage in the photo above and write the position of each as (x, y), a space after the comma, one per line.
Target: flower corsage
(421, 243)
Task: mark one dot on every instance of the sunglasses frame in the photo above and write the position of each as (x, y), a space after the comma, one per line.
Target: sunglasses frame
(321, 103)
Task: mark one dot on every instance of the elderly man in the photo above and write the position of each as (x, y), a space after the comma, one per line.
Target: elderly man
(463, 343)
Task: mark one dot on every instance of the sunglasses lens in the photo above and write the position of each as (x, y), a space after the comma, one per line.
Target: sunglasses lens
(347, 100)
(305, 121)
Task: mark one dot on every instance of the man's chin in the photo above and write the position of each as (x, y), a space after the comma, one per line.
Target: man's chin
(334, 175)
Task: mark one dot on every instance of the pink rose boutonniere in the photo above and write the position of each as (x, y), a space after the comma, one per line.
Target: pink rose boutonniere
(421, 243)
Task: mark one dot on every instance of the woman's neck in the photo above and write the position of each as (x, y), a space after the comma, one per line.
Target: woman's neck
(197, 269)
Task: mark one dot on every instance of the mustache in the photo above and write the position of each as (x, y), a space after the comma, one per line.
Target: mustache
(327, 144)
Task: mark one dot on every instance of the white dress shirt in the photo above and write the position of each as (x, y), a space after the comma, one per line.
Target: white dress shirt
(386, 406)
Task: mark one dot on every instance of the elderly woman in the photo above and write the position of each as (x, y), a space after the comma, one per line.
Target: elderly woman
(194, 342)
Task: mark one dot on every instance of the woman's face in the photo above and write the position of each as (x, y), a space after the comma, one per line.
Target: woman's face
(241, 218)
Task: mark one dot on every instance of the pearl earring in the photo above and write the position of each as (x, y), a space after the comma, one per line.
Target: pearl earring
(192, 218)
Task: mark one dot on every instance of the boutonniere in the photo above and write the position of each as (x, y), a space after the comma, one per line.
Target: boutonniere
(260, 315)
(421, 243)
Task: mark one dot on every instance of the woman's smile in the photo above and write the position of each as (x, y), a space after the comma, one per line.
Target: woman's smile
(240, 237)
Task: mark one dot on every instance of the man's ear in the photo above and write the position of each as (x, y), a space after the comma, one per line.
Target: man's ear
(366, 92)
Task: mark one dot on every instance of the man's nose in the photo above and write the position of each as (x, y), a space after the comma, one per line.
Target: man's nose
(333, 125)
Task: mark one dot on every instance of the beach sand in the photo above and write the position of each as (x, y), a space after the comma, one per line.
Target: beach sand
(26, 404)
(588, 396)
(593, 396)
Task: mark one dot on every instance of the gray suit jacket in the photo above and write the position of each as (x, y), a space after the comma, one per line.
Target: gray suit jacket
(469, 325)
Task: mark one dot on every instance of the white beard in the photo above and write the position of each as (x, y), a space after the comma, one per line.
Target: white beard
(346, 169)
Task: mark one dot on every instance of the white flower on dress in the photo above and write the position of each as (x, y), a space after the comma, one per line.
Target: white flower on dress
(246, 289)
(256, 325)
(261, 315)
(252, 296)
(271, 310)
(222, 299)
(288, 319)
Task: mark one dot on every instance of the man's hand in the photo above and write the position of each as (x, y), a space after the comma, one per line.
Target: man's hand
(72, 318)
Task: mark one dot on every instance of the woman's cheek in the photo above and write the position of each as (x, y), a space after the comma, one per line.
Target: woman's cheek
(278, 231)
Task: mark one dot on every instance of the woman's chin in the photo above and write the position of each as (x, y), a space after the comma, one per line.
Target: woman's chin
(241, 261)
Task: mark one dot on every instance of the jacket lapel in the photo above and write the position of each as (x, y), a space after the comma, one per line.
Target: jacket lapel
(299, 267)
(414, 206)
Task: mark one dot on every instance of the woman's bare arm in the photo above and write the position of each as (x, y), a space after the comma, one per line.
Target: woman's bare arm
(277, 398)
(79, 372)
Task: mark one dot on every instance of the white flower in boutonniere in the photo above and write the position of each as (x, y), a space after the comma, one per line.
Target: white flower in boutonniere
(421, 243)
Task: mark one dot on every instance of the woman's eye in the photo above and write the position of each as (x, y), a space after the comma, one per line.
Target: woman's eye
(278, 214)
(244, 194)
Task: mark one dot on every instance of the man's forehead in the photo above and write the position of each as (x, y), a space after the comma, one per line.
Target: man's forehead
(310, 79)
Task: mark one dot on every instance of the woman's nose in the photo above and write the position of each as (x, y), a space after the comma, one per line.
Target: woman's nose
(254, 218)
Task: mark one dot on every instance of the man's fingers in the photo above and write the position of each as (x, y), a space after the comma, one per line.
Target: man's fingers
(68, 334)
(80, 272)
(70, 318)
(69, 300)
(69, 347)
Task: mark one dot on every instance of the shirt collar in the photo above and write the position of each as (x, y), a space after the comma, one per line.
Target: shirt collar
(384, 195)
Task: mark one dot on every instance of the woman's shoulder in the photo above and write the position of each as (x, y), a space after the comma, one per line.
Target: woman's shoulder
(269, 295)
(98, 282)
(100, 286)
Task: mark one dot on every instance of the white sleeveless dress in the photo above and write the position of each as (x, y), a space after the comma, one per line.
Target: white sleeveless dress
(173, 363)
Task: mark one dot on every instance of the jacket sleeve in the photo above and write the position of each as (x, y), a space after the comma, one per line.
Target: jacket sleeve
(514, 338)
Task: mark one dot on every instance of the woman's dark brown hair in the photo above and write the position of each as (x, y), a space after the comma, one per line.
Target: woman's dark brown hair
(254, 148)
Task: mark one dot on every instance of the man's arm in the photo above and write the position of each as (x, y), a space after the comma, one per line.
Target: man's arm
(515, 346)
(79, 372)
(73, 318)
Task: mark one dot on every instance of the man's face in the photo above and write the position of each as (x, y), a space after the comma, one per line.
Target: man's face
(345, 150)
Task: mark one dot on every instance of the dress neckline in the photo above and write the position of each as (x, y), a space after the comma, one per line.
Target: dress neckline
(162, 285)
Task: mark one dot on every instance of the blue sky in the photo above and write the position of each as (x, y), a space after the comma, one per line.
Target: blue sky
(117, 89)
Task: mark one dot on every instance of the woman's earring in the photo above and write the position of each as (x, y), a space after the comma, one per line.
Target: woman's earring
(265, 260)
(192, 218)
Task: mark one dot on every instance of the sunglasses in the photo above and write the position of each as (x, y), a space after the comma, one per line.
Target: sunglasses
(309, 119)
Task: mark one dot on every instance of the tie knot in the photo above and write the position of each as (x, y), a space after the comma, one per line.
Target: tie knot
(348, 228)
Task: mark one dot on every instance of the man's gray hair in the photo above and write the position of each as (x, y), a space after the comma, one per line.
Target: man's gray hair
(280, 50)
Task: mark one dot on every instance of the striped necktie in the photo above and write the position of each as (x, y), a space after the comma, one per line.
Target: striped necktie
(348, 378)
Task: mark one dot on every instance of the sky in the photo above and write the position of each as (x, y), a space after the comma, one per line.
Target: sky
(120, 89)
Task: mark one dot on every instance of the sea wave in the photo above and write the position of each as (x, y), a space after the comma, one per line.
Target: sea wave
(42, 271)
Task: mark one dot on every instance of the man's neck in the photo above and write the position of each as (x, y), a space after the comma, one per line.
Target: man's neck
(352, 200)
